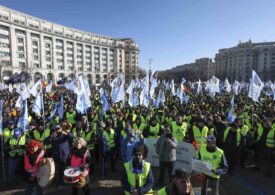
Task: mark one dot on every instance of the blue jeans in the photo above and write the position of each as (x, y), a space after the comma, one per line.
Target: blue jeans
(12, 165)
(29, 188)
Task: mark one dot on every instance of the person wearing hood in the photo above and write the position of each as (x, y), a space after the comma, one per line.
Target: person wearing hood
(137, 177)
(33, 158)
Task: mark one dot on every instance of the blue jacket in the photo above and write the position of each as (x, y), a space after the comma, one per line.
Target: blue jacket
(60, 146)
(127, 148)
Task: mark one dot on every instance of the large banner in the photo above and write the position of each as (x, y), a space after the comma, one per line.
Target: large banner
(185, 154)
(152, 155)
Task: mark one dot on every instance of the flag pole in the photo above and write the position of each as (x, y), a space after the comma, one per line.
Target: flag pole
(43, 113)
(2, 143)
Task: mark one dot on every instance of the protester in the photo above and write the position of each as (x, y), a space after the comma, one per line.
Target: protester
(59, 140)
(33, 158)
(166, 149)
(137, 177)
(181, 185)
(80, 158)
(210, 153)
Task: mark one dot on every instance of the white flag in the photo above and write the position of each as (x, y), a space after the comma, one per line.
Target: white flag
(199, 89)
(255, 87)
(35, 88)
(227, 86)
(38, 104)
(23, 91)
(10, 88)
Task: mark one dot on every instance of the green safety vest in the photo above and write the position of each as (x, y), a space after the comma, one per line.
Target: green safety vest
(162, 191)
(87, 136)
(215, 158)
(154, 130)
(169, 120)
(6, 134)
(71, 117)
(15, 143)
(179, 131)
(123, 134)
(140, 128)
(244, 130)
(187, 117)
(39, 137)
(248, 123)
(110, 138)
(75, 134)
(200, 136)
(238, 135)
(270, 139)
(143, 119)
(140, 178)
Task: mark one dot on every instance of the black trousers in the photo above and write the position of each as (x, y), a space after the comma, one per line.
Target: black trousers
(85, 189)
(110, 156)
(162, 168)
(264, 158)
(231, 157)
(212, 183)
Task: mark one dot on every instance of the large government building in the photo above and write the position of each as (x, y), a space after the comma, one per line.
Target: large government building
(237, 63)
(52, 51)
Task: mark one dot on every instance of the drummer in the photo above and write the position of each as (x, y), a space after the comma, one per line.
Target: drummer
(33, 158)
(80, 157)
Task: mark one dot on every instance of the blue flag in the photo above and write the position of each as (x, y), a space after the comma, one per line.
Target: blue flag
(53, 113)
(38, 104)
(104, 101)
(23, 119)
(230, 116)
(60, 108)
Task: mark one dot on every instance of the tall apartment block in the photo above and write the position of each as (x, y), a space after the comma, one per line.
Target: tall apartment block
(52, 51)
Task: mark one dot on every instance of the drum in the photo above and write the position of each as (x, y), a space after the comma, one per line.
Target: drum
(46, 173)
(71, 175)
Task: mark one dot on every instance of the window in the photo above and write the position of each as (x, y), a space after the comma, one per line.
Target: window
(34, 43)
(48, 59)
(48, 53)
(35, 51)
(20, 40)
(35, 57)
(20, 48)
(21, 55)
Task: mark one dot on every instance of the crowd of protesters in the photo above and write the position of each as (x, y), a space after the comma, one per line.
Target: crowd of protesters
(112, 136)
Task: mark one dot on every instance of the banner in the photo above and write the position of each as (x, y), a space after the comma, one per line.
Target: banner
(185, 155)
(152, 155)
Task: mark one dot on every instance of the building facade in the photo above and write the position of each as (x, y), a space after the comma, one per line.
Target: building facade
(201, 69)
(50, 51)
(237, 63)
